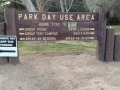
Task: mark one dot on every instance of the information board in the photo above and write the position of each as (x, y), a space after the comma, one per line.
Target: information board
(8, 46)
(36, 26)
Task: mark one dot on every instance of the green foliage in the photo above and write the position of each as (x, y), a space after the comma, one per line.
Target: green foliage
(117, 29)
(77, 6)
(55, 6)
(113, 21)
(113, 6)
(117, 11)
(1, 15)
(61, 47)
(4, 5)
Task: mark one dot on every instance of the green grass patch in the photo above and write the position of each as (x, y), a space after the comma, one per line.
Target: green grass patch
(59, 47)
(117, 29)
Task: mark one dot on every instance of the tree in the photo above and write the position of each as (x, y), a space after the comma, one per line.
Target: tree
(66, 5)
(44, 5)
(29, 5)
(33, 5)
(94, 4)
(5, 4)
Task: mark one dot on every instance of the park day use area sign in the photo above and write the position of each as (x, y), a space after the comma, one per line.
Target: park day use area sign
(35, 26)
(52, 26)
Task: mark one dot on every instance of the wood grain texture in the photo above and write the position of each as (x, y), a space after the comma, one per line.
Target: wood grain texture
(3, 60)
(11, 30)
(2, 27)
(117, 48)
(109, 45)
(101, 34)
(62, 27)
(110, 14)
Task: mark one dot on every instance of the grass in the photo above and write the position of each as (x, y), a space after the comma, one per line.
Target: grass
(59, 47)
(117, 29)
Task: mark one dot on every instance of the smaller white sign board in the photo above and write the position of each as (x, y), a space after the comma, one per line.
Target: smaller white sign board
(8, 46)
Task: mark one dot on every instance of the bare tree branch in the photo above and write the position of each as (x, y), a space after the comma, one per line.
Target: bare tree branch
(70, 6)
(29, 5)
(45, 4)
(48, 7)
(92, 6)
(65, 5)
(16, 2)
(79, 3)
(62, 6)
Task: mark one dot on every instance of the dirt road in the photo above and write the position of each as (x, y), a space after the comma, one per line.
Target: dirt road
(67, 72)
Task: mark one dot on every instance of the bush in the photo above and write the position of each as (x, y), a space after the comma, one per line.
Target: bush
(113, 21)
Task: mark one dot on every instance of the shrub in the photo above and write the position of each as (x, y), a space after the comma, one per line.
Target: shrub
(113, 21)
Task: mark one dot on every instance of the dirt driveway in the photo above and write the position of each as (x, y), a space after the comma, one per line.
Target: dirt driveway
(67, 72)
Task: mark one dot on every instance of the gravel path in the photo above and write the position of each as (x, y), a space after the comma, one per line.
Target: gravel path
(68, 72)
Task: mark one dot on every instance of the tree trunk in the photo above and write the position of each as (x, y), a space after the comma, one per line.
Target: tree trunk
(62, 6)
(40, 5)
(29, 5)
(91, 5)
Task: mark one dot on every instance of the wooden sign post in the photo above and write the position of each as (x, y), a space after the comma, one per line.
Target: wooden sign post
(3, 60)
(101, 34)
(11, 30)
(117, 48)
(47, 26)
(109, 51)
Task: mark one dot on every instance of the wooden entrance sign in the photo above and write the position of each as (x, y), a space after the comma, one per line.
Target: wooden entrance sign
(36, 26)
(51, 26)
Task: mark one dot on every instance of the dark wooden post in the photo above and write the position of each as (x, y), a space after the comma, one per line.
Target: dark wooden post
(3, 60)
(110, 14)
(101, 34)
(11, 30)
(117, 48)
(109, 45)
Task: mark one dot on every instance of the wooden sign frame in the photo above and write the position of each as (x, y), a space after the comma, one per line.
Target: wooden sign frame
(10, 22)
(36, 26)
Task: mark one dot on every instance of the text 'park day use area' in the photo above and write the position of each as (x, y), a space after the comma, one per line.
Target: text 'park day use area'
(59, 45)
